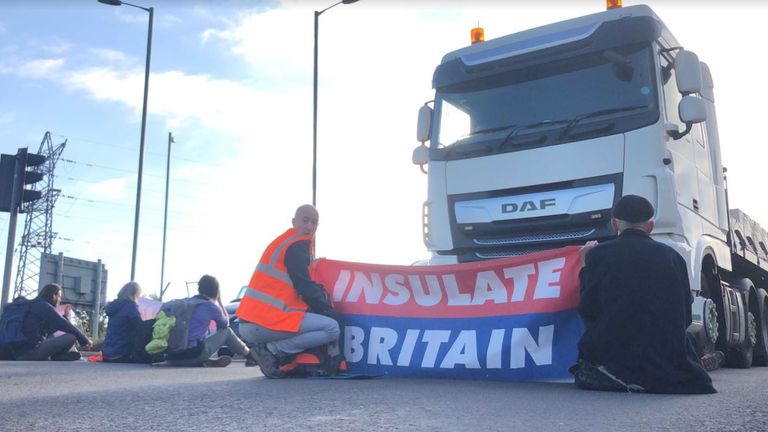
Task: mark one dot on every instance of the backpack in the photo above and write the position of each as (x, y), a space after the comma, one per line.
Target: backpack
(12, 322)
(315, 362)
(171, 328)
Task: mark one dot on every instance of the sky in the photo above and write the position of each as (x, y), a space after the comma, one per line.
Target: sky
(232, 81)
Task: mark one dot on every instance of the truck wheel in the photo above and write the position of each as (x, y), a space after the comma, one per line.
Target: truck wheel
(741, 356)
(710, 289)
(712, 329)
(760, 309)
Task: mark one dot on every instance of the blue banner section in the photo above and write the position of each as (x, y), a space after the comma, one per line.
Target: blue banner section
(529, 347)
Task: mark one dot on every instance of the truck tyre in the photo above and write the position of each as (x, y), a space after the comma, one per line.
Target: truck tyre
(710, 287)
(740, 356)
(760, 309)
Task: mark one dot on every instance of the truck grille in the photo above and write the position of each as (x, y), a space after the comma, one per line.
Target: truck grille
(503, 254)
(535, 238)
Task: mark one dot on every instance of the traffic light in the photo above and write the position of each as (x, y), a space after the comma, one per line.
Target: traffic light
(7, 168)
(16, 172)
(25, 162)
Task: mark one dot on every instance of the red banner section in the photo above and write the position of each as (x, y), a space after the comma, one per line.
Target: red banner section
(537, 283)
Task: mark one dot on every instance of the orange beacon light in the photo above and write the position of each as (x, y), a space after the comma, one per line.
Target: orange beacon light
(477, 34)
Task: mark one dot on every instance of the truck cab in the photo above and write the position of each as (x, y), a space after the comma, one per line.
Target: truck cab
(532, 137)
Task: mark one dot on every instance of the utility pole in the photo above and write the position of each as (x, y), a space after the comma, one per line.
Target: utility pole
(165, 216)
(37, 236)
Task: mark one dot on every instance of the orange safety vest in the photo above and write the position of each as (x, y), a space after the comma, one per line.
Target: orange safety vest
(270, 300)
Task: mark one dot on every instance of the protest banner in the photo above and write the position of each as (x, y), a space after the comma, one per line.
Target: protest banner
(509, 319)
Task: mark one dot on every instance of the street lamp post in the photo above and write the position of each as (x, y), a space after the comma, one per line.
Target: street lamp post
(171, 140)
(314, 112)
(143, 127)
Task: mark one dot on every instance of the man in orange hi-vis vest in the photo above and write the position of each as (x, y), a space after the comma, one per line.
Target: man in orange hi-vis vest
(284, 311)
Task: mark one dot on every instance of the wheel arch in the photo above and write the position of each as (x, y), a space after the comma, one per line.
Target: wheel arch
(706, 266)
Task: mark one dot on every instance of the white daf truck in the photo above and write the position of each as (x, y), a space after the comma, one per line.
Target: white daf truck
(532, 137)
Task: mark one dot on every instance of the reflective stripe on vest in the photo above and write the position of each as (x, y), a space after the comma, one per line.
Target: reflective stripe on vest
(275, 273)
(283, 245)
(269, 269)
(270, 300)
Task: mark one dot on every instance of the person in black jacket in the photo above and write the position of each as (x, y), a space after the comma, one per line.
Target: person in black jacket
(40, 323)
(636, 305)
(123, 328)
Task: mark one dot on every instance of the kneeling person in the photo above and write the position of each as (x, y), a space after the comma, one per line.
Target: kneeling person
(285, 312)
(636, 306)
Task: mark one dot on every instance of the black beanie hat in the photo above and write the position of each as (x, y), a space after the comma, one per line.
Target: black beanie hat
(633, 209)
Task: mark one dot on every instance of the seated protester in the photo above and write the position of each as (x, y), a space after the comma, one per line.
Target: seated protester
(122, 343)
(201, 348)
(636, 306)
(40, 322)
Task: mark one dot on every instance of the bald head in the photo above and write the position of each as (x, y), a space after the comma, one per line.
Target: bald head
(306, 219)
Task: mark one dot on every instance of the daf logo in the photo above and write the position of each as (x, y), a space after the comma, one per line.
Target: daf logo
(527, 206)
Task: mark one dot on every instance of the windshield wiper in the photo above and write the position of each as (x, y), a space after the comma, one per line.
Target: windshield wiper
(576, 120)
(493, 129)
(539, 139)
(466, 150)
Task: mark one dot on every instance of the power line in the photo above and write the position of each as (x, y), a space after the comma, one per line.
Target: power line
(181, 228)
(91, 165)
(128, 187)
(132, 149)
(112, 203)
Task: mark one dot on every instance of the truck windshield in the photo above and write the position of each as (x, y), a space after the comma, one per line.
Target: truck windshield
(600, 93)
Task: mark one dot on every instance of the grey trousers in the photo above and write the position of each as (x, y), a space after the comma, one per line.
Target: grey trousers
(50, 347)
(211, 345)
(315, 330)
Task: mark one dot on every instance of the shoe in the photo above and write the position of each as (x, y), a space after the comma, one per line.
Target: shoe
(713, 361)
(67, 356)
(251, 360)
(221, 361)
(268, 362)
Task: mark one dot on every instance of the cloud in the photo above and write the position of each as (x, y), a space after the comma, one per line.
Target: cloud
(104, 83)
(168, 21)
(111, 56)
(41, 68)
(276, 44)
(110, 189)
(56, 47)
(224, 105)
(132, 16)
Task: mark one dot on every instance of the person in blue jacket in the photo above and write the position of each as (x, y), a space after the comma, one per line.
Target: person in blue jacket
(123, 326)
(40, 322)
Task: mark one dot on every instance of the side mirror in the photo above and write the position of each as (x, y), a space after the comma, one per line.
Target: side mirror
(420, 155)
(688, 72)
(424, 125)
(692, 110)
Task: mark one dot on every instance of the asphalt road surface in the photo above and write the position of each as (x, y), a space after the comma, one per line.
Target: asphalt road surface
(80, 396)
